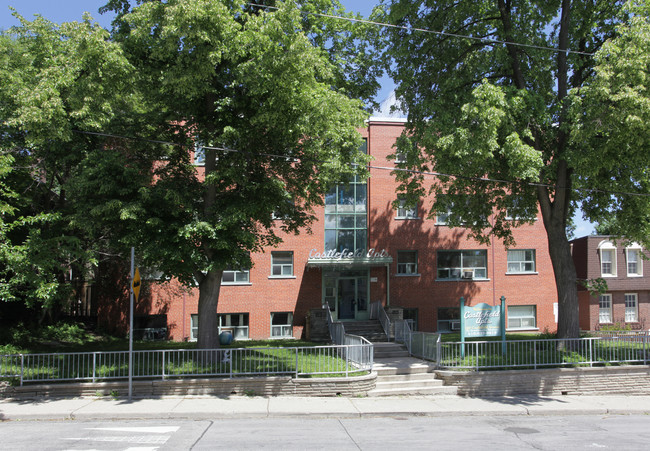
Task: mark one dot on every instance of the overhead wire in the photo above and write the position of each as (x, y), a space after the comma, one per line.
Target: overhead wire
(440, 33)
(383, 168)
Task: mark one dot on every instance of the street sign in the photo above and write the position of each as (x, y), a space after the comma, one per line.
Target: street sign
(136, 284)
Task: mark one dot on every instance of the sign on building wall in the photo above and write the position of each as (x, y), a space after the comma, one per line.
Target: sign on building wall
(483, 320)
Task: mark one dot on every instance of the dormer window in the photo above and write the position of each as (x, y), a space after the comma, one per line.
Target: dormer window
(634, 261)
(607, 252)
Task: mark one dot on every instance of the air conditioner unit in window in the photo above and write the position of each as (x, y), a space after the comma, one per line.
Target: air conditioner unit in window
(455, 325)
(468, 274)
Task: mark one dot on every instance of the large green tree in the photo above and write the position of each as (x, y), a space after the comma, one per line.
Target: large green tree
(546, 99)
(55, 80)
(272, 114)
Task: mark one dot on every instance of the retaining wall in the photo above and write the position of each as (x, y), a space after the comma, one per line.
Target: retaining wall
(251, 386)
(628, 380)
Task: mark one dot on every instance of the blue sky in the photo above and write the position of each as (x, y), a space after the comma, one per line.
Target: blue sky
(69, 10)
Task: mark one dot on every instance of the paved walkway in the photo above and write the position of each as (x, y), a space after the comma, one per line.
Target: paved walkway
(278, 407)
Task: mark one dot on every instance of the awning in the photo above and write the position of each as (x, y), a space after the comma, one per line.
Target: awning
(355, 262)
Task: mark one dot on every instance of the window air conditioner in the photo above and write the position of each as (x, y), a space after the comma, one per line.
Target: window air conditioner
(455, 325)
(468, 274)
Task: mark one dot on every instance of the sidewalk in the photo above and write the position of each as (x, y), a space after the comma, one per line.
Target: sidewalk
(278, 407)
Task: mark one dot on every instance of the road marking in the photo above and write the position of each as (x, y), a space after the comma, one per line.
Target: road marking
(151, 429)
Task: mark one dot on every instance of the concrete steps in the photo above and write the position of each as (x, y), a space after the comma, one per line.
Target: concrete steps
(398, 374)
(370, 330)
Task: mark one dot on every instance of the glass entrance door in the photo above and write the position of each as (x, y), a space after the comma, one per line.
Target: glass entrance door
(352, 298)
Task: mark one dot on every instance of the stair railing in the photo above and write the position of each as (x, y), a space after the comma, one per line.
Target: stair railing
(384, 320)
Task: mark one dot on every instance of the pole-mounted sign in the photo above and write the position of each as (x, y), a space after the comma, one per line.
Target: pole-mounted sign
(136, 284)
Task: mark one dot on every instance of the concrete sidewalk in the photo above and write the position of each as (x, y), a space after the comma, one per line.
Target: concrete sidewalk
(279, 407)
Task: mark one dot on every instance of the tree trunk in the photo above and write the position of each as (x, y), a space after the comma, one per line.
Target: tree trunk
(208, 299)
(565, 281)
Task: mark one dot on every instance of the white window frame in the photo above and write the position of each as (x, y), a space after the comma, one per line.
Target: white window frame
(199, 154)
(635, 249)
(607, 248)
(407, 268)
(442, 218)
(284, 270)
(522, 317)
(194, 327)
(406, 213)
(284, 330)
(605, 309)
(464, 272)
(519, 266)
(400, 157)
(239, 277)
(239, 332)
(631, 307)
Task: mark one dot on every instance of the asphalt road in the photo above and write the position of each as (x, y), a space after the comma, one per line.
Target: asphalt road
(619, 432)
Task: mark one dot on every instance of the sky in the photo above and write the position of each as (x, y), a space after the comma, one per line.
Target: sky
(70, 10)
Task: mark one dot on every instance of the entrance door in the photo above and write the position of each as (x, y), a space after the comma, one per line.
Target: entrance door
(352, 298)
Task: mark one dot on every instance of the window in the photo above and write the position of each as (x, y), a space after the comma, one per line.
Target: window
(235, 323)
(400, 157)
(631, 308)
(442, 218)
(521, 261)
(448, 319)
(404, 212)
(634, 261)
(199, 155)
(521, 210)
(407, 262)
(282, 324)
(462, 264)
(522, 317)
(607, 258)
(605, 308)
(232, 277)
(346, 215)
(282, 264)
(194, 327)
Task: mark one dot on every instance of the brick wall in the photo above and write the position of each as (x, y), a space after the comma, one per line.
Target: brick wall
(423, 292)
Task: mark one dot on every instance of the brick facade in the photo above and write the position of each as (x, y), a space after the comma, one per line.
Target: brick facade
(587, 258)
(423, 293)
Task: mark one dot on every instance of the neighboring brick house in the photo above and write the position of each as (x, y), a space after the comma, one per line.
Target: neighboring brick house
(362, 250)
(626, 303)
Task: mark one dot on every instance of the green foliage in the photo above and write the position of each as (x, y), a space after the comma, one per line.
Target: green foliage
(538, 97)
(616, 327)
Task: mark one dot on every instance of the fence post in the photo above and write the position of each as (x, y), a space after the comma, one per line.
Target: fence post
(645, 349)
(535, 354)
(94, 367)
(163, 364)
(296, 372)
(476, 355)
(591, 352)
(22, 368)
(347, 360)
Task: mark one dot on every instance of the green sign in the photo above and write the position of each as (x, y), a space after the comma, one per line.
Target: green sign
(483, 320)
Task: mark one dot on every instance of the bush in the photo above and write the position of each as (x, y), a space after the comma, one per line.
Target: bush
(66, 333)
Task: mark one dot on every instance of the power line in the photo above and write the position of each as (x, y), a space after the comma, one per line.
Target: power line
(440, 33)
(384, 168)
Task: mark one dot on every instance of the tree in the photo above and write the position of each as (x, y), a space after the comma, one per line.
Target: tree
(511, 91)
(261, 102)
(56, 80)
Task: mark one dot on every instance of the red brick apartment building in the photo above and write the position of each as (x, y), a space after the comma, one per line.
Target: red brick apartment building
(362, 250)
(626, 303)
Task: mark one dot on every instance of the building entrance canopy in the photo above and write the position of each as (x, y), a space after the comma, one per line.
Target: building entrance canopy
(358, 258)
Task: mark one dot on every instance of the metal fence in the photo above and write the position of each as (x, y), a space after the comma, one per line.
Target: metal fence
(478, 355)
(545, 353)
(344, 360)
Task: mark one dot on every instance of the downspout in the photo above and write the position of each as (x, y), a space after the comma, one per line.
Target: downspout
(387, 284)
